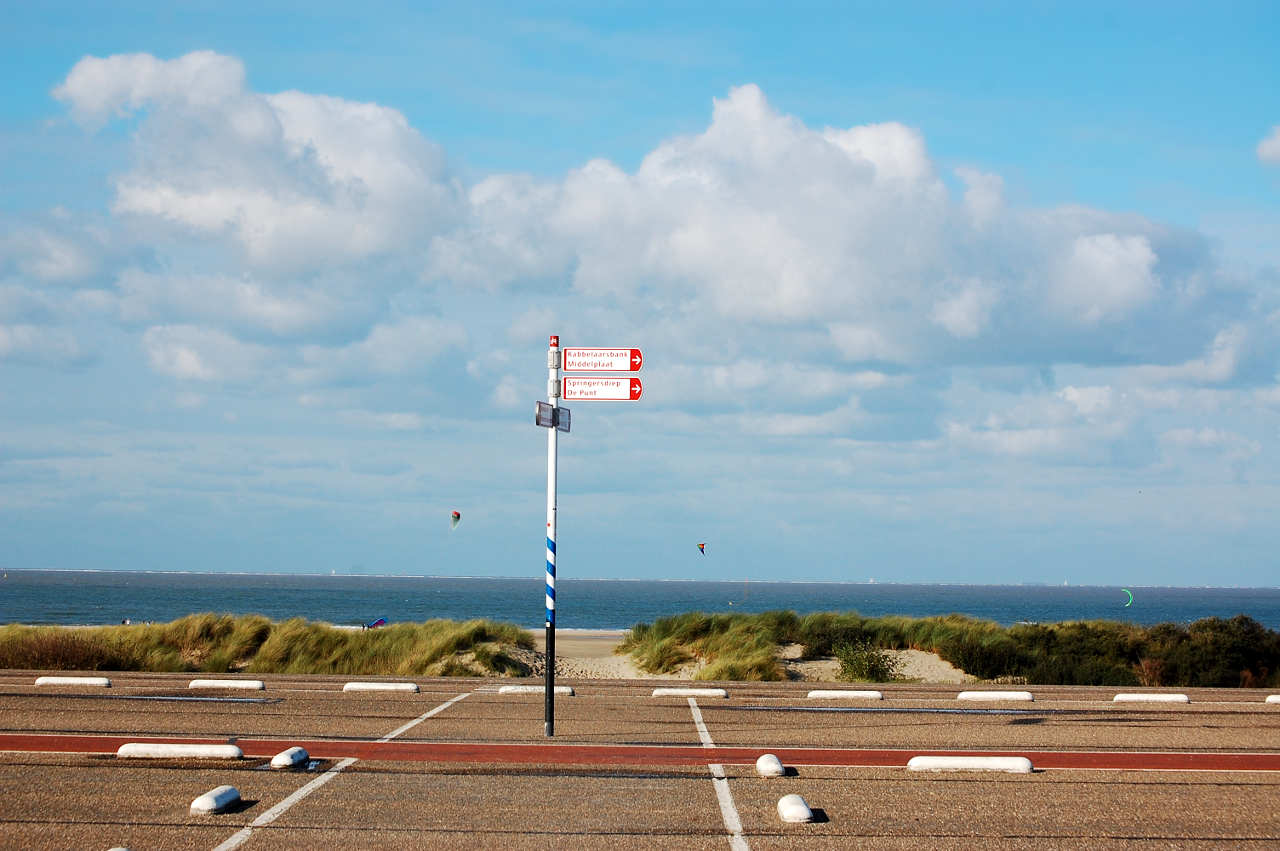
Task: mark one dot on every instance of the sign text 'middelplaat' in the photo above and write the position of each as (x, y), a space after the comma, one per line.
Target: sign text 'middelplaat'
(602, 360)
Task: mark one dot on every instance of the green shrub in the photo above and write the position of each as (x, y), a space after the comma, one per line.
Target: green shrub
(864, 662)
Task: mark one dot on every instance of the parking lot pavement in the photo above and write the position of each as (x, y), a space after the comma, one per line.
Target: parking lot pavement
(459, 765)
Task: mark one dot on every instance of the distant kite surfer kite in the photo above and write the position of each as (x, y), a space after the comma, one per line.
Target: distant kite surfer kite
(702, 548)
(376, 623)
(454, 519)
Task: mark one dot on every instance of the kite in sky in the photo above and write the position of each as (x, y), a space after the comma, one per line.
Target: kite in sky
(702, 548)
(454, 520)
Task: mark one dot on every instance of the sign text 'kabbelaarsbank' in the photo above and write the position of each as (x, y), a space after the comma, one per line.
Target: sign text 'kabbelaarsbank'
(578, 359)
(581, 388)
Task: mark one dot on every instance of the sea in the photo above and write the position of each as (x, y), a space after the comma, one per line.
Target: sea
(112, 597)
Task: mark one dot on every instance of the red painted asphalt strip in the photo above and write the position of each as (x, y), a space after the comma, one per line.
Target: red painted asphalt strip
(606, 755)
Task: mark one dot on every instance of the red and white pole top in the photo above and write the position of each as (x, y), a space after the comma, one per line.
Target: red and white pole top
(555, 341)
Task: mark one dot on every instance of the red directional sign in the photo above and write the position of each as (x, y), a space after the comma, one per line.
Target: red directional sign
(581, 388)
(602, 360)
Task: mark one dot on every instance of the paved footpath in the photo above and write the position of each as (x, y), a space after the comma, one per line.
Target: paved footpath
(459, 765)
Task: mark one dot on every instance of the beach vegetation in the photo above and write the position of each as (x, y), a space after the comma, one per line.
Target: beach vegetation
(864, 662)
(724, 646)
(1234, 652)
(220, 643)
(1213, 652)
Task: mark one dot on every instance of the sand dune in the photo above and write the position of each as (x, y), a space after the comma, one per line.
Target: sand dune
(589, 654)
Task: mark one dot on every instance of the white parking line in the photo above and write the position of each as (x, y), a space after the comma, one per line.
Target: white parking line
(697, 722)
(728, 812)
(423, 717)
(240, 837)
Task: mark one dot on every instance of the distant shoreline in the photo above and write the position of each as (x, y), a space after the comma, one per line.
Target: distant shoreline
(931, 583)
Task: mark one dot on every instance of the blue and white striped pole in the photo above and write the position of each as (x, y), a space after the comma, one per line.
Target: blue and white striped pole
(553, 394)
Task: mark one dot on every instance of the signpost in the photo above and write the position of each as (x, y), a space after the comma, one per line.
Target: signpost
(555, 419)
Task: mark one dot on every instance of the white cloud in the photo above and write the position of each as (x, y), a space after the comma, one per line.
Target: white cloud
(964, 314)
(859, 342)
(760, 222)
(98, 88)
(818, 306)
(38, 344)
(407, 346)
(983, 194)
(53, 257)
(19, 303)
(507, 394)
(845, 238)
(283, 309)
(57, 247)
(384, 420)
(298, 180)
(1234, 446)
(1105, 277)
(193, 353)
(1218, 364)
(1090, 402)
(838, 421)
(1014, 442)
(894, 151)
(1269, 148)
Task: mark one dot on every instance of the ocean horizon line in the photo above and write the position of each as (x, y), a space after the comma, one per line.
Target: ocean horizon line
(937, 583)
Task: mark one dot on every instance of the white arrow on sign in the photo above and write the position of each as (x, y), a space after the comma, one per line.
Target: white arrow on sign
(580, 388)
(602, 360)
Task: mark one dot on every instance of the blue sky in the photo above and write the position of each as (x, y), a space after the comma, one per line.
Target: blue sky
(949, 292)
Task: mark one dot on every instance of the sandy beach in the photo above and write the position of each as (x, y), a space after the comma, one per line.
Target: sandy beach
(590, 654)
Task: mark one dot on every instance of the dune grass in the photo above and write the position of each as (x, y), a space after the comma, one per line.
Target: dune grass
(1235, 652)
(733, 646)
(214, 643)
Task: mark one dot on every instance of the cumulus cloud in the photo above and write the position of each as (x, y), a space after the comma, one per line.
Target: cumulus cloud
(1269, 148)
(1230, 445)
(507, 394)
(384, 420)
(839, 250)
(760, 221)
(57, 248)
(98, 88)
(40, 345)
(193, 353)
(297, 180)
(406, 346)
(1105, 276)
(1089, 402)
(758, 218)
(1218, 365)
(844, 237)
(983, 194)
(964, 313)
(281, 308)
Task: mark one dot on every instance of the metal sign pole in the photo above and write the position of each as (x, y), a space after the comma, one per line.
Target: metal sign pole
(553, 394)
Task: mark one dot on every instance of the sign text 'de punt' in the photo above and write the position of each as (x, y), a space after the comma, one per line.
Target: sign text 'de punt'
(601, 389)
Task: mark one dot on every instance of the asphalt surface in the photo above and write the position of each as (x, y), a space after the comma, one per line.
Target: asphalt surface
(460, 766)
